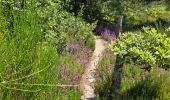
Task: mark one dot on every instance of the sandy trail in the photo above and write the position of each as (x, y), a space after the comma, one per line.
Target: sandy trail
(88, 78)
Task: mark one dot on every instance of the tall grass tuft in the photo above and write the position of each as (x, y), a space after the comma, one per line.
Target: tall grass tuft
(27, 61)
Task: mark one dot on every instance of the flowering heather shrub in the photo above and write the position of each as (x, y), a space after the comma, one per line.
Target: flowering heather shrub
(107, 32)
(62, 71)
(75, 78)
(80, 54)
(75, 47)
(68, 72)
(108, 37)
(84, 56)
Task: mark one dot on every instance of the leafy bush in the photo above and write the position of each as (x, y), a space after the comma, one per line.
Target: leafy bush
(149, 49)
(63, 28)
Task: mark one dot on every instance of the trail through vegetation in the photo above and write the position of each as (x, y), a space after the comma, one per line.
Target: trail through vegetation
(48, 49)
(88, 78)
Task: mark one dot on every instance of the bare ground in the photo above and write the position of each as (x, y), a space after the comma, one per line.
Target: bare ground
(88, 78)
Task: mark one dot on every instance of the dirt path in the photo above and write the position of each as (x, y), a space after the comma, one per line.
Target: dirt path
(88, 78)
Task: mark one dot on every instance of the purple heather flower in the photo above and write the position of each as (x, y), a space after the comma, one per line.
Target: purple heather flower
(87, 50)
(75, 46)
(111, 38)
(62, 71)
(107, 30)
(75, 57)
(75, 78)
(108, 33)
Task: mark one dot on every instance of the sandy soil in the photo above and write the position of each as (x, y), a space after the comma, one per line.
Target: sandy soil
(88, 78)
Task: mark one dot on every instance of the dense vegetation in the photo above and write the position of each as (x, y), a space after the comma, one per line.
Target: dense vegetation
(150, 49)
(46, 44)
(36, 52)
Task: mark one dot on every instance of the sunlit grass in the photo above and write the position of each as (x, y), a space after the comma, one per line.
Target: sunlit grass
(30, 66)
(136, 83)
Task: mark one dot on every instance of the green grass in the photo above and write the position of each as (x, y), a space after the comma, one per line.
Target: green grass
(136, 84)
(30, 66)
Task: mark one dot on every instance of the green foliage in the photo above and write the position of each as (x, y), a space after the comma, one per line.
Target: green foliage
(33, 34)
(153, 10)
(62, 28)
(146, 85)
(136, 84)
(104, 80)
(22, 53)
(134, 11)
(150, 48)
(30, 65)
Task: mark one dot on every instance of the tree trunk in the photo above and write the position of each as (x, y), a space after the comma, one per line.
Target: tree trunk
(117, 76)
(117, 72)
(22, 3)
(119, 27)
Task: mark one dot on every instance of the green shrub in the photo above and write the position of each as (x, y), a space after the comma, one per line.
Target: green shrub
(149, 49)
(62, 28)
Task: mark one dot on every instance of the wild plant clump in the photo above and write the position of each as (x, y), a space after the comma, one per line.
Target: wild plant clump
(30, 65)
(150, 48)
(62, 28)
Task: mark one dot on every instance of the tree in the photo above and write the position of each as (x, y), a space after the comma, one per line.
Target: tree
(108, 11)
